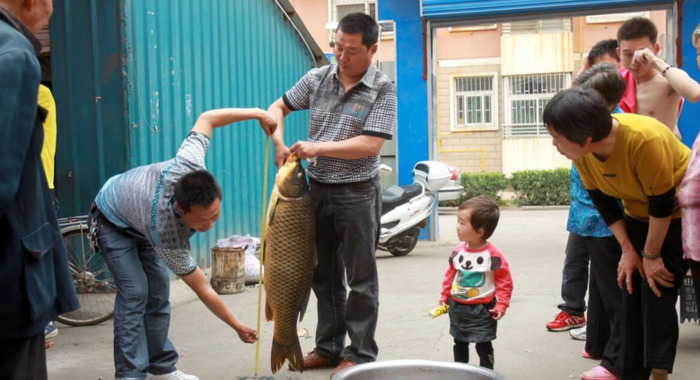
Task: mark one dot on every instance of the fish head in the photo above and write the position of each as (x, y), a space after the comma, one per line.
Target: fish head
(291, 178)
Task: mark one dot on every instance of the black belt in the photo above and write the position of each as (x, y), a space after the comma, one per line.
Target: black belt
(369, 181)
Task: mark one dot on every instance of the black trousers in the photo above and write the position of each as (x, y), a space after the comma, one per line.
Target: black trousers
(604, 299)
(23, 359)
(347, 228)
(650, 323)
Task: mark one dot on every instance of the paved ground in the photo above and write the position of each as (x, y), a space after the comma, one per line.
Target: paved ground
(533, 241)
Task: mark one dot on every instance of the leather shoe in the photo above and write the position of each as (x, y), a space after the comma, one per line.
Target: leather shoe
(314, 361)
(344, 364)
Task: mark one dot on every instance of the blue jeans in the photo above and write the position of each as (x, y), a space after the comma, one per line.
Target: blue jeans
(142, 305)
(347, 230)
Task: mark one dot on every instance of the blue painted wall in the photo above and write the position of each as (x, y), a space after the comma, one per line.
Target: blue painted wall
(689, 123)
(412, 131)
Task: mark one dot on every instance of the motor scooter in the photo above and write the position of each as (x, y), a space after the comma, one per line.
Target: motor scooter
(405, 209)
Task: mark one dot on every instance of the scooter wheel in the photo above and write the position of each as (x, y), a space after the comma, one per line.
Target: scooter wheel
(403, 244)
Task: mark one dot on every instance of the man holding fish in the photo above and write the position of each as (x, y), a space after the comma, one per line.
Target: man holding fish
(352, 112)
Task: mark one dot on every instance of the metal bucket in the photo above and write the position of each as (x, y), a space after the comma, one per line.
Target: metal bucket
(228, 270)
(416, 370)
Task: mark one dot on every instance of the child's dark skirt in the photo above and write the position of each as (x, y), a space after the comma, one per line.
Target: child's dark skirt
(472, 323)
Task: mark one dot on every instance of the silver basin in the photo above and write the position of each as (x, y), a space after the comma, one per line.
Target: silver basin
(416, 370)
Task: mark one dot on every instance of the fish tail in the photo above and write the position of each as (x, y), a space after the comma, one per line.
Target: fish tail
(290, 352)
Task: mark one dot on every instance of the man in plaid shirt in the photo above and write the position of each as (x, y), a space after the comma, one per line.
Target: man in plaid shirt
(352, 111)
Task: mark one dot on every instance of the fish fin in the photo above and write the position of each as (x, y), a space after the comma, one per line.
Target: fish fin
(274, 200)
(291, 352)
(271, 216)
(304, 303)
(268, 222)
(268, 311)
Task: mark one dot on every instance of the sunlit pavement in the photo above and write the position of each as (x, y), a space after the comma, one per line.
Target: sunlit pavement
(533, 242)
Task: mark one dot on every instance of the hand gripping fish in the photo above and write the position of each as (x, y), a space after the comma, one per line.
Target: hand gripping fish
(289, 259)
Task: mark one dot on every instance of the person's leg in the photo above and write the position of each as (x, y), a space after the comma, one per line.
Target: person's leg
(121, 255)
(629, 361)
(659, 314)
(161, 352)
(648, 322)
(486, 357)
(356, 210)
(604, 298)
(573, 286)
(575, 275)
(597, 322)
(23, 359)
(461, 351)
(328, 281)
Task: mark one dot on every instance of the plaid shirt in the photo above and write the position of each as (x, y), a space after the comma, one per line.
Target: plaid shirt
(142, 199)
(368, 108)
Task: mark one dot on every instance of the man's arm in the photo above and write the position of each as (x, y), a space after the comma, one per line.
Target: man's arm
(377, 128)
(681, 82)
(279, 111)
(211, 119)
(197, 281)
(350, 149)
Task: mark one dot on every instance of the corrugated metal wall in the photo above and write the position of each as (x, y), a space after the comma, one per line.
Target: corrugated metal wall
(153, 66)
(87, 85)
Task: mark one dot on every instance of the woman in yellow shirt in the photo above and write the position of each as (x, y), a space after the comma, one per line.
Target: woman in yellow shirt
(638, 160)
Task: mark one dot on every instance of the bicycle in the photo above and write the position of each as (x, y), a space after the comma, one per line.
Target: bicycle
(92, 279)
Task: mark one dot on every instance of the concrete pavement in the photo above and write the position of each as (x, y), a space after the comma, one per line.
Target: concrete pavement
(533, 242)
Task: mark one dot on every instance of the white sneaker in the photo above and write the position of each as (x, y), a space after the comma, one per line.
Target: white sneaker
(579, 333)
(177, 375)
(50, 331)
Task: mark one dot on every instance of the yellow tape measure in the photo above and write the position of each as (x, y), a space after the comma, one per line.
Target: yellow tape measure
(262, 250)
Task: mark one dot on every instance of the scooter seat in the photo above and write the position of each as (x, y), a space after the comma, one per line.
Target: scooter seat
(395, 195)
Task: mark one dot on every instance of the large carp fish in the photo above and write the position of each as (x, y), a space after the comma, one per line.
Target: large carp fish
(289, 259)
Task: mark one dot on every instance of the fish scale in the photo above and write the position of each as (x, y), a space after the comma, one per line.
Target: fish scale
(289, 260)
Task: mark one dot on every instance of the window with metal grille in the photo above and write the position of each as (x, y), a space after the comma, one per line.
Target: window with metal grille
(475, 103)
(341, 8)
(537, 26)
(525, 99)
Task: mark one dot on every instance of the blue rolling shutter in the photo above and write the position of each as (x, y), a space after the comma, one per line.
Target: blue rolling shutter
(477, 9)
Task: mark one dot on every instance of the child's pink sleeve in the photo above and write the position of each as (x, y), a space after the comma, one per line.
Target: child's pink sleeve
(504, 284)
(447, 284)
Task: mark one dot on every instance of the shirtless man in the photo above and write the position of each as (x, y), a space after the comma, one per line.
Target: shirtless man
(659, 87)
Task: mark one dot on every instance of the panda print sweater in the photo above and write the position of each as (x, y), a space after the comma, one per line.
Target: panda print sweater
(477, 276)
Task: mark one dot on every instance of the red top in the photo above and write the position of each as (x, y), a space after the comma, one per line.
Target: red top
(476, 276)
